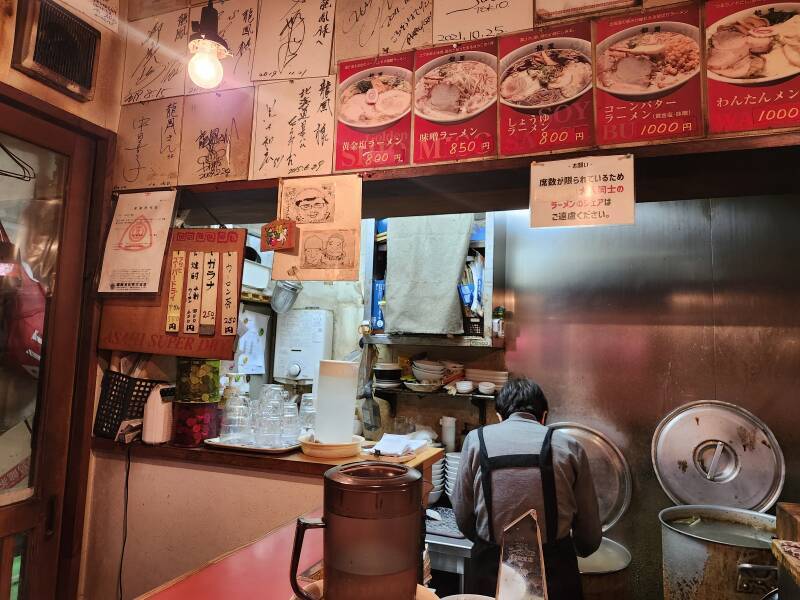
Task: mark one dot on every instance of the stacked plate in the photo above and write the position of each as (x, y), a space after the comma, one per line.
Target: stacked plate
(452, 460)
(428, 371)
(387, 376)
(498, 378)
(438, 482)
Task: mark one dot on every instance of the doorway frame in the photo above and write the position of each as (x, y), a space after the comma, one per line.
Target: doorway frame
(65, 580)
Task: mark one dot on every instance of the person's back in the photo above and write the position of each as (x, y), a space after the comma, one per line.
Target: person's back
(555, 474)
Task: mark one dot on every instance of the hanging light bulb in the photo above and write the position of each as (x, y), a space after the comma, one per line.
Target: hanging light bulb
(208, 48)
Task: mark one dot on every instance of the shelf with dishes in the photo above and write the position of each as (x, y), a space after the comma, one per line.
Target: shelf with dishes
(469, 341)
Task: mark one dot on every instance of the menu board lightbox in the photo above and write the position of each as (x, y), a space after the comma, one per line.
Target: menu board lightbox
(647, 77)
(546, 101)
(753, 65)
(373, 112)
(455, 102)
(590, 190)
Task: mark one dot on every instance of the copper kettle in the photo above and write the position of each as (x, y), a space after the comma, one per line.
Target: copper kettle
(373, 533)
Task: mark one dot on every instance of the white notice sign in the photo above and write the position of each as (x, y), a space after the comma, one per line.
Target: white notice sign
(136, 242)
(467, 20)
(592, 190)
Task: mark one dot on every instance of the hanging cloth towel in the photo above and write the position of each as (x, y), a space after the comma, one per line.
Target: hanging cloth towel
(424, 263)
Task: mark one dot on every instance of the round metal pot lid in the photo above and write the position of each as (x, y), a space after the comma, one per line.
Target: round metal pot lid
(711, 452)
(610, 471)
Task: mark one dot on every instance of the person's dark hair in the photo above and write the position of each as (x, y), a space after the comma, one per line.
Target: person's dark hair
(521, 394)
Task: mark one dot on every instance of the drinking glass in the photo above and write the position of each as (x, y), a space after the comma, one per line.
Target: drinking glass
(290, 427)
(308, 414)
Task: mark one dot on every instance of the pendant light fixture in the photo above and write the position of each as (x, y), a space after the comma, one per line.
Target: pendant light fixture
(208, 48)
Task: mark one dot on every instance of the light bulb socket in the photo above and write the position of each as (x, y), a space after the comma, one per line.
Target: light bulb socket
(207, 28)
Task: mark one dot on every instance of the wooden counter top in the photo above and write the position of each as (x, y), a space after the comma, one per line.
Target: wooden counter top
(787, 553)
(295, 463)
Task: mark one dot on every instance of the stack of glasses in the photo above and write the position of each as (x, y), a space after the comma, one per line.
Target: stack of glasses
(271, 421)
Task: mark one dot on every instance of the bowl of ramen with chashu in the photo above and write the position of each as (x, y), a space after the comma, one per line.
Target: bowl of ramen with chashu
(374, 99)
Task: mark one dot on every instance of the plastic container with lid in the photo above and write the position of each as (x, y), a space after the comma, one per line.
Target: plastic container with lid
(195, 422)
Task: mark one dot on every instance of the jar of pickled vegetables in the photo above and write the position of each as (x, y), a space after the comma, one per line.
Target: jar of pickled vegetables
(194, 422)
(198, 380)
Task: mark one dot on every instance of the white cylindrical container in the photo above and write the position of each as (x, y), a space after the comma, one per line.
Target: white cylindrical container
(157, 420)
(336, 401)
(448, 433)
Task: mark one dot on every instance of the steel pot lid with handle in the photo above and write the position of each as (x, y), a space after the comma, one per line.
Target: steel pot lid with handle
(610, 471)
(712, 452)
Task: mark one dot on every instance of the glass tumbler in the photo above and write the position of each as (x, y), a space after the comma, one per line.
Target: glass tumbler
(308, 414)
(290, 426)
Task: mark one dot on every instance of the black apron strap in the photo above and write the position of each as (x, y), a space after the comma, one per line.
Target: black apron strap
(486, 482)
(549, 488)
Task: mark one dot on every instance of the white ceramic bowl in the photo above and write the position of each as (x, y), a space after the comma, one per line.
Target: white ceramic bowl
(464, 387)
(422, 387)
(426, 376)
(355, 77)
(434, 496)
(712, 29)
(582, 46)
(484, 57)
(688, 30)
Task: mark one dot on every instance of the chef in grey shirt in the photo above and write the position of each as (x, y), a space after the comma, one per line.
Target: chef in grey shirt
(519, 464)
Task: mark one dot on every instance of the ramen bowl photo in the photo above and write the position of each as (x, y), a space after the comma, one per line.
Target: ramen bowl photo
(755, 46)
(456, 87)
(373, 99)
(546, 73)
(648, 61)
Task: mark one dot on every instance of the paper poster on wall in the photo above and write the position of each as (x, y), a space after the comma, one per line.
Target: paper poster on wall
(590, 190)
(455, 102)
(753, 65)
(215, 142)
(327, 211)
(647, 77)
(293, 129)
(467, 20)
(251, 348)
(148, 144)
(237, 26)
(373, 112)
(294, 39)
(549, 10)
(358, 27)
(156, 51)
(546, 101)
(105, 12)
(406, 25)
(136, 241)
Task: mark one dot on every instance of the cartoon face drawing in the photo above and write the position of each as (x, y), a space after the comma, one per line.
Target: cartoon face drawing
(313, 251)
(334, 247)
(313, 205)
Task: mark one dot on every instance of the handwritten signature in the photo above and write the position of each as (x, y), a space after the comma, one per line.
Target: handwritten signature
(367, 17)
(481, 6)
(131, 174)
(215, 147)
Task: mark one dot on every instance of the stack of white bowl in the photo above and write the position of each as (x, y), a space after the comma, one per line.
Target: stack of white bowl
(387, 376)
(428, 370)
(464, 386)
(498, 378)
(437, 479)
(452, 460)
(487, 388)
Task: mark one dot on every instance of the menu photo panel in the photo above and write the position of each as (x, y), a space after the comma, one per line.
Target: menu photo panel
(752, 65)
(455, 102)
(545, 85)
(647, 77)
(373, 112)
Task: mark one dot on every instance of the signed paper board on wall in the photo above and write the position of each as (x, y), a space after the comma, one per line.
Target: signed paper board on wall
(237, 26)
(464, 127)
(643, 96)
(293, 129)
(467, 20)
(760, 89)
(105, 12)
(141, 9)
(406, 25)
(358, 28)
(551, 10)
(148, 144)
(373, 112)
(294, 39)
(538, 111)
(215, 141)
(155, 57)
(327, 211)
(590, 190)
(138, 324)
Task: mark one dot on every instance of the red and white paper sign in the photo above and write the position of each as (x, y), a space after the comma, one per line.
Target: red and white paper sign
(538, 112)
(647, 72)
(455, 102)
(373, 112)
(753, 76)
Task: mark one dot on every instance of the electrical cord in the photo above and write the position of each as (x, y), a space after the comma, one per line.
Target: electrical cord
(124, 522)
